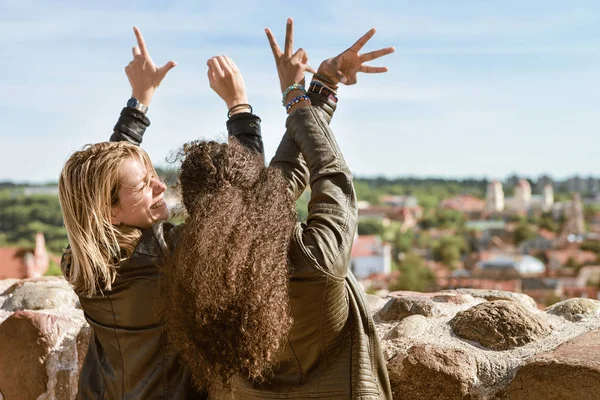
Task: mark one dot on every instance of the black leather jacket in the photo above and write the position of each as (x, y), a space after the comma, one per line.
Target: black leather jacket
(127, 356)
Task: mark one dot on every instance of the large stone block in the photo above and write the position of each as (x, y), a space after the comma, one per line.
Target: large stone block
(576, 309)
(428, 372)
(39, 294)
(571, 371)
(500, 325)
(26, 340)
(492, 295)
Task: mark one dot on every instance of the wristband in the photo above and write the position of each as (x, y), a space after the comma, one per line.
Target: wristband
(238, 106)
(295, 101)
(326, 80)
(295, 86)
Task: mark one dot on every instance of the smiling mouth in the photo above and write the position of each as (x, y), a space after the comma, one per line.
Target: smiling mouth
(159, 204)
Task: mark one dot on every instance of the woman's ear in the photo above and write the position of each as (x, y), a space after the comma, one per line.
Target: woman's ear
(115, 214)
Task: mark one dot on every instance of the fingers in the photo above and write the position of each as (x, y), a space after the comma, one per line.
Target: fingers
(372, 70)
(376, 54)
(363, 40)
(162, 71)
(222, 60)
(230, 64)
(289, 38)
(274, 46)
(136, 51)
(301, 57)
(140, 41)
(213, 64)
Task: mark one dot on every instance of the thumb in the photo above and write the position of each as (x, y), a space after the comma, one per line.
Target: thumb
(166, 68)
(310, 69)
(341, 77)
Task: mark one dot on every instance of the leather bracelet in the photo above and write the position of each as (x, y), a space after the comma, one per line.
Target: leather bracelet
(324, 79)
(295, 86)
(324, 90)
(238, 106)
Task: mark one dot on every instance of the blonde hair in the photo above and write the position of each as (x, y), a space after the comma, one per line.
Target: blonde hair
(88, 189)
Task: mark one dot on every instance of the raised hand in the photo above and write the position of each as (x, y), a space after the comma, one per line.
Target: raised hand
(145, 76)
(345, 66)
(226, 80)
(290, 66)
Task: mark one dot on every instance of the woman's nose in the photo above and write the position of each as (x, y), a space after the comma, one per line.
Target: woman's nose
(159, 186)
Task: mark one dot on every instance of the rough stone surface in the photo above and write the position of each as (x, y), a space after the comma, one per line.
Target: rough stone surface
(375, 303)
(401, 305)
(39, 295)
(571, 371)
(500, 325)
(412, 326)
(576, 309)
(491, 295)
(431, 372)
(426, 360)
(26, 339)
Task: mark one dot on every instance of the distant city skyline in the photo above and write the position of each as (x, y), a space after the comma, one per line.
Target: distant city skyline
(475, 89)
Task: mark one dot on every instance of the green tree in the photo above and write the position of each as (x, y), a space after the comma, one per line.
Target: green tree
(524, 231)
(370, 227)
(449, 250)
(414, 275)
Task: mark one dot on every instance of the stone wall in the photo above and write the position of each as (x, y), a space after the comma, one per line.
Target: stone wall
(43, 339)
(464, 344)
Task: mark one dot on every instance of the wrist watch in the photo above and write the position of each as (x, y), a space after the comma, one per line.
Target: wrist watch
(135, 104)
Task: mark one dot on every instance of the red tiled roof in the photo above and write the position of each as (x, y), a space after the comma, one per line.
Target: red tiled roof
(366, 246)
(11, 262)
(464, 203)
(546, 234)
(580, 256)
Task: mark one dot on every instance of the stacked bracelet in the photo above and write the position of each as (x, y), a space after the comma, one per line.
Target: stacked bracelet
(326, 80)
(323, 89)
(295, 86)
(238, 107)
(295, 101)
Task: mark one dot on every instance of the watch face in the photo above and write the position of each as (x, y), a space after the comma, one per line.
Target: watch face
(132, 102)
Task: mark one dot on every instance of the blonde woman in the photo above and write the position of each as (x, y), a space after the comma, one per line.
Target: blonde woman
(114, 210)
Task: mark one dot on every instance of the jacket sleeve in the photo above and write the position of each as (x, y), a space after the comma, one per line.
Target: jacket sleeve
(245, 127)
(325, 241)
(130, 127)
(288, 157)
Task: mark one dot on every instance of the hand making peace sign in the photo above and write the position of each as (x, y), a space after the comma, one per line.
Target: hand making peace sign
(145, 76)
(290, 67)
(345, 66)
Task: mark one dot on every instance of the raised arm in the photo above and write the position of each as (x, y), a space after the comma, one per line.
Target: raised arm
(226, 80)
(144, 77)
(325, 242)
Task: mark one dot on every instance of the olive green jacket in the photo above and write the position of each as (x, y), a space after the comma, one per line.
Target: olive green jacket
(333, 350)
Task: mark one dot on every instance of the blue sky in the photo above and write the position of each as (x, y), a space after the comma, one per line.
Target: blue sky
(475, 88)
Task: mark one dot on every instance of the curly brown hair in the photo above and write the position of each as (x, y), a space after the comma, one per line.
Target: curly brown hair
(225, 288)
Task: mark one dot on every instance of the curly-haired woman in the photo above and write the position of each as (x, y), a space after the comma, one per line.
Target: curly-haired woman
(260, 306)
(114, 211)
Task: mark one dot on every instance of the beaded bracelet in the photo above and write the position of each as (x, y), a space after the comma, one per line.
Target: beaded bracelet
(324, 79)
(295, 86)
(238, 106)
(295, 101)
